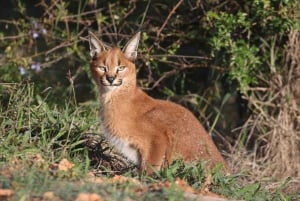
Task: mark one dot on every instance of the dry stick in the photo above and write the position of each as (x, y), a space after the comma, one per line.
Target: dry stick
(164, 76)
(82, 14)
(112, 18)
(130, 11)
(181, 56)
(47, 64)
(62, 45)
(14, 37)
(145, 13)
(168, 18)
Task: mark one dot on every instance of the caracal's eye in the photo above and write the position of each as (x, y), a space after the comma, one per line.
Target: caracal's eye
(121, 68)
(102, 68)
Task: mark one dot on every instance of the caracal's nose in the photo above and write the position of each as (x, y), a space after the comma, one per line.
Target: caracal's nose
(110, 79)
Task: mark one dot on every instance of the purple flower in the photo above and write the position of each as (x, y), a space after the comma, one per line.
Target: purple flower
(22, 70)
(36, 66)
(44, 31)
(35, 35)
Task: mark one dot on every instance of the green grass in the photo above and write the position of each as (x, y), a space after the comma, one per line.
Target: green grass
(36, 135)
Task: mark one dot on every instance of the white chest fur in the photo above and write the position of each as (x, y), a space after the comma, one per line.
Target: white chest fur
(123, 147)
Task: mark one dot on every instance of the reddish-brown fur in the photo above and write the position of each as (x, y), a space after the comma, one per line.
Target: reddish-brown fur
(148, 131)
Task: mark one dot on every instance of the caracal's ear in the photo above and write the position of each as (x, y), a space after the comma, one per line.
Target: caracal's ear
(130, 49)
(96, 45)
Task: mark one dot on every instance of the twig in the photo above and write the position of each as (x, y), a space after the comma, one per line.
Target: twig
(168, 18)
(165, 75)
(180, 56)
(55, 60)
(112, 18)
(145, 13)
(62, 45)
(82, 14)
(14, 37)
(131, 10)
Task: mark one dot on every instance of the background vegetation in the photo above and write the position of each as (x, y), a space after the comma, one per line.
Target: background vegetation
(235, 64)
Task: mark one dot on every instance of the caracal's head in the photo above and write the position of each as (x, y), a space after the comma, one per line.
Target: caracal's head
(113, 68)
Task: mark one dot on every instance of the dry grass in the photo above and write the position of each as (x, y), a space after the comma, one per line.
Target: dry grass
(105, 160)
(275, 124)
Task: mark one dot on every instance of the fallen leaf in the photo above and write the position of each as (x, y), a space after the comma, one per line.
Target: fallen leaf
(6, 192)
(183, 185)
(159, 185)
(206, 192)
(50, 196)
(92, 178)
(39, 158)
(128, 199)
(88, 197)
(65, 165)
(119, 179)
